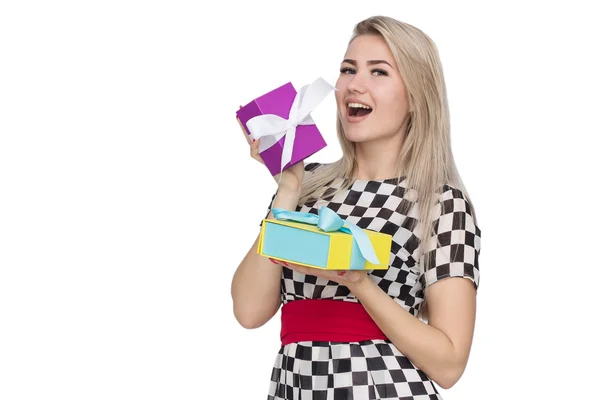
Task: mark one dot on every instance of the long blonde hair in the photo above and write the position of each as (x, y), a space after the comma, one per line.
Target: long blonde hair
(425, 160)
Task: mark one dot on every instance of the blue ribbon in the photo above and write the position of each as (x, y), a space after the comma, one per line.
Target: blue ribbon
(329, 221)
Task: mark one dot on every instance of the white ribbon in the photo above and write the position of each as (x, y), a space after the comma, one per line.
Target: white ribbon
(271, 128)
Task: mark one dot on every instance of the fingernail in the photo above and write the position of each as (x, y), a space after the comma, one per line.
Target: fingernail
(341, 273)
(273, 261)
(286, 264)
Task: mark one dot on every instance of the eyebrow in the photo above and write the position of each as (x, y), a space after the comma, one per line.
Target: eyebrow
(370, 62)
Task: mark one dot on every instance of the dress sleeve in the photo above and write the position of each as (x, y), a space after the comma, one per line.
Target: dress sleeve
(454, 248)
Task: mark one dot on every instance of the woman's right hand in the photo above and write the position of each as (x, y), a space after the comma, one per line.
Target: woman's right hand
(291, 178)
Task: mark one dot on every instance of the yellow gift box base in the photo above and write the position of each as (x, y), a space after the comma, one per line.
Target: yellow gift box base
(307, 245)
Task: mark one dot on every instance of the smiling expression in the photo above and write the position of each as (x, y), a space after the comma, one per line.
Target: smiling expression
(371, 97)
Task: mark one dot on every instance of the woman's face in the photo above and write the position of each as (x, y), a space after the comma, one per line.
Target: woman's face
(371, 97)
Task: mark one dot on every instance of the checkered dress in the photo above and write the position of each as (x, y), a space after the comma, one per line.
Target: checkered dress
(375, 369)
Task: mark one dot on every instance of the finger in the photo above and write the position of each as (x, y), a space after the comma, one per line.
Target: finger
(254, 152)
(278, 262)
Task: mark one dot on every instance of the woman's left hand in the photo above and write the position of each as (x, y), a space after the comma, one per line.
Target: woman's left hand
(348, 278)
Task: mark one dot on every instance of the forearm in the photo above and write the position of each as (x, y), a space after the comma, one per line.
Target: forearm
(255, 287)
(428, 348)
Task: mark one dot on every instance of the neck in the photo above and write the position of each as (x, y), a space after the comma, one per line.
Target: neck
(378, 159)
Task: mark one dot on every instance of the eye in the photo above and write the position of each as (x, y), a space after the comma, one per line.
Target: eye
(380, 72)
(347, 70)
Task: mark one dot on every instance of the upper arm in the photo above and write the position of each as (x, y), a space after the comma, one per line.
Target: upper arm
(451, 309)
(451, 278)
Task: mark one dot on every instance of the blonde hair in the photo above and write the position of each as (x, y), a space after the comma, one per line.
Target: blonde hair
(425, 160)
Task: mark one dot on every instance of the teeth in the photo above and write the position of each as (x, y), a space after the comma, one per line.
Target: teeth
(358, 105)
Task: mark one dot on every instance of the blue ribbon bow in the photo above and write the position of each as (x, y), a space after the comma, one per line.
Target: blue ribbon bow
(329, 221)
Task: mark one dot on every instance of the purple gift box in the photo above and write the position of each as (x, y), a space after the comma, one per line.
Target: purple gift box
(278, 102)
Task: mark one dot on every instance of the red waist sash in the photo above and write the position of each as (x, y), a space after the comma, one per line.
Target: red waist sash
(328, 321)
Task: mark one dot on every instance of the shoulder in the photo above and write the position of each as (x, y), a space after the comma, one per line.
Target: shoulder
(454, 248)
(453, 216)
(452, 200)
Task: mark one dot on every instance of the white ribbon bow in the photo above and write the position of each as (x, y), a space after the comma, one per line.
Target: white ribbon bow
(271, 128)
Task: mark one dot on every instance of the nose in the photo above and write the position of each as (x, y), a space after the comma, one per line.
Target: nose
(357, 83)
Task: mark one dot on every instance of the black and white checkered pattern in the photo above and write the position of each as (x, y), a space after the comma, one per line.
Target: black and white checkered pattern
(368, 370)
(455, 249)
(376, 369)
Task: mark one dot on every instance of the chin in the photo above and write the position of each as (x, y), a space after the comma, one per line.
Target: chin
(356, 133)
(357, 137)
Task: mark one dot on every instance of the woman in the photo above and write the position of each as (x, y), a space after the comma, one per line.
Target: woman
(397, 175)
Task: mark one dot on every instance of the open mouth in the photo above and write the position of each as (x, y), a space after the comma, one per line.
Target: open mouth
(358, 110)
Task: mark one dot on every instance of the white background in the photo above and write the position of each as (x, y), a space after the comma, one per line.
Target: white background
(128, 198)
